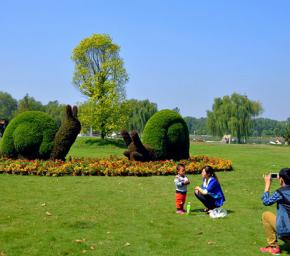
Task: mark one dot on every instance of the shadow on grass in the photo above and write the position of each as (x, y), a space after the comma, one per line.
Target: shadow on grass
(285, 248)
(202, 211)
(99, 142)
(81, 225)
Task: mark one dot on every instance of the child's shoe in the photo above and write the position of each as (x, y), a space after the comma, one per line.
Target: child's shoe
(180, 212)
(271, 249)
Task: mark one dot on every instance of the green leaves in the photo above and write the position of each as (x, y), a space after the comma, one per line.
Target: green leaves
(100, 75)
(233, 114)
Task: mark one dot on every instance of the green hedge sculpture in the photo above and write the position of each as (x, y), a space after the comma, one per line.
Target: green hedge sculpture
(165, 136)
(32, 135)
(67, 134)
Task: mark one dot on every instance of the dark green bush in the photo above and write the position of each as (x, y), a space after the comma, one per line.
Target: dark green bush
(29, 135)
(167, 133)
(67, 134)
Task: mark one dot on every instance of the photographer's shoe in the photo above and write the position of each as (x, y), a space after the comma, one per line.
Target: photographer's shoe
(270, 249)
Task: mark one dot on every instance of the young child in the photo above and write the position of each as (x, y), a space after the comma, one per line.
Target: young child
(181, 182)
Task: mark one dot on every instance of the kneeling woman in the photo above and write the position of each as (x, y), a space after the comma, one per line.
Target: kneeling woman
(210, 193)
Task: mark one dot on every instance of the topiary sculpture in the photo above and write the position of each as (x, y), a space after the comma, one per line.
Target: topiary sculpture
(165, 136)
(67, 134)
(32, 134)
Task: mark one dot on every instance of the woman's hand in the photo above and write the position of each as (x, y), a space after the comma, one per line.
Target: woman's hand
(197, 188)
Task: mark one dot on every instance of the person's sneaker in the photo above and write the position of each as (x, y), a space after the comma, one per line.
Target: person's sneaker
(180, 212)
(271, 249)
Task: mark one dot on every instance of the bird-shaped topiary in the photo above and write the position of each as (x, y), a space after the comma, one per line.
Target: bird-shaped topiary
(32, 134)
(165, 136)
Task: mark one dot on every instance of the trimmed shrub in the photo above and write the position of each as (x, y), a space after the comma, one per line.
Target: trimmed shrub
(136, 150)
(67, 134)
(29, 135)
(167, 133)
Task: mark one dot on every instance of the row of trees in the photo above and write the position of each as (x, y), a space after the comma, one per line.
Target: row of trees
(101, 76)
(260, 127)
(135, 113)
(10, 107)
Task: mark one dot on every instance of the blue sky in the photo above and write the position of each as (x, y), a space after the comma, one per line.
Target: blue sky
(177, 53)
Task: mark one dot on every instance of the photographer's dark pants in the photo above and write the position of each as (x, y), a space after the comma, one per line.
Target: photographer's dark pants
(207, 200)
(269, 223)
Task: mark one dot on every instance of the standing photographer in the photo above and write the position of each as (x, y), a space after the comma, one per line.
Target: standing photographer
(277, 227)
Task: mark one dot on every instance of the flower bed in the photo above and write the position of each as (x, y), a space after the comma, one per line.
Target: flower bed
(109, 167)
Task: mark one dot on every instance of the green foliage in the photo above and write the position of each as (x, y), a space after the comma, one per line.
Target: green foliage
(111, 116)
(100, 75)
(29, 135)
(138, 113)
(66, 135)
(233, 114)
(286, 132)
(167, 133)
(196, 125)
(29, 104)
(8, 106)
(56, 111)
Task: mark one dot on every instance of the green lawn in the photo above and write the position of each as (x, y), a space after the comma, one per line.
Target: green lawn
(136, 215)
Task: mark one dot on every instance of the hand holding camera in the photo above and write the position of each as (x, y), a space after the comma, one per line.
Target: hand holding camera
(274, 175)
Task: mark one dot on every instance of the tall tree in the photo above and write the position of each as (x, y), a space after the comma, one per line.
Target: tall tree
(286, 133)
(8, 106)
(138, 113)
(100, 75)
(28, 103)
(233, 114)
(56, 111)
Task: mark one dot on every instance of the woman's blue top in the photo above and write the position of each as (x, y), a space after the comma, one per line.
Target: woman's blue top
(214, 190)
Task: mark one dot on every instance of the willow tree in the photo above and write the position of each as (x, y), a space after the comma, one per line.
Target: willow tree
(233, 114)
(100, 75)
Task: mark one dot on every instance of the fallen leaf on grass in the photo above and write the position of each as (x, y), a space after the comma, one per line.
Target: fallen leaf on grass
(93, 247)
(79, 241)
(48, 213)
(84, 251)
(44, 204)
(210, 242)
(108, 232)
(127, 244)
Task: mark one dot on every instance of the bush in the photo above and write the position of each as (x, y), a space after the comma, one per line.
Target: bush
(167, 133)
(67, 134)
(29, 135)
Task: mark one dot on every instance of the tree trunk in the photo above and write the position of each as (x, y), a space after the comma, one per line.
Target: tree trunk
(103, 132)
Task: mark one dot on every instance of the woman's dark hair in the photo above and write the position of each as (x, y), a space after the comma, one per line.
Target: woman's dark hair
(285, 175)
(209, 170)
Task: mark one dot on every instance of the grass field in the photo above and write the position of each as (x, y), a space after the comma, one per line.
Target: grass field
(136, 215)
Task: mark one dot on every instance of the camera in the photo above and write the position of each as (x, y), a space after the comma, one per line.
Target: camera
(274, 175)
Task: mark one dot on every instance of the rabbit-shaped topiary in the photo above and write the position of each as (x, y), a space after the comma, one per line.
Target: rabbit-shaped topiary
(34, 134)
(165, 136)
(66, 134)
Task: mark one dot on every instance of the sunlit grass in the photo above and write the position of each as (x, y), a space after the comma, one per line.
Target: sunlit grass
(133, 215)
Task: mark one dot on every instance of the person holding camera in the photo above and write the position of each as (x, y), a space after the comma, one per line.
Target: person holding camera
(277, 227)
